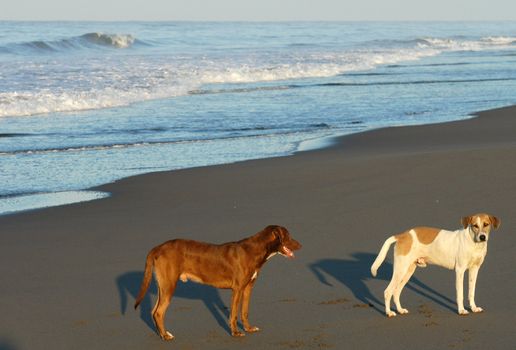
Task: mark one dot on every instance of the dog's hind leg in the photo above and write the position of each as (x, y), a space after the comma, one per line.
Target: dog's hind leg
(399, 288)
(399, 271)
(245, 308)
(166, 287)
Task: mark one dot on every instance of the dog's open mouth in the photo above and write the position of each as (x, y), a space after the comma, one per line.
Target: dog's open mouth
(286, 252)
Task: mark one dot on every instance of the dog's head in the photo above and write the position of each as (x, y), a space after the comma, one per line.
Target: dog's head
(480, 225)
(282, 242)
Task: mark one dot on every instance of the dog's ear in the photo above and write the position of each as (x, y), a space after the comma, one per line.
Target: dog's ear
(275, 232)
(279, 233)
(466, 221)
(494, 221)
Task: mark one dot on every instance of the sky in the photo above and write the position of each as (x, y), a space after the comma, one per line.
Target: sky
(257, 10)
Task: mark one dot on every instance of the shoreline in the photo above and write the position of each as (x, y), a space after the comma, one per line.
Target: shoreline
(72, 272)
(44, 200)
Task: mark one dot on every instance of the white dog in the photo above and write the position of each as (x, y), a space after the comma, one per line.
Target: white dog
(462, 250)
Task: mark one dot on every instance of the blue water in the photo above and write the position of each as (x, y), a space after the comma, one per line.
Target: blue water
(87, 103)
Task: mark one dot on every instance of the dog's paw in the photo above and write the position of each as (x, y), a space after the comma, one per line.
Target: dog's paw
(390, 313)
(463, 312)
(167, 336)
(476, 309)
(403, 311)
(252, 329)
(237, 334)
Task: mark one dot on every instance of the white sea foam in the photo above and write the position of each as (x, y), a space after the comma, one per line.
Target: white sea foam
(44, 200)
(43, 102)
(500, 40)
(135, 83)
(486, 43)
(121, 81)
(119, 41)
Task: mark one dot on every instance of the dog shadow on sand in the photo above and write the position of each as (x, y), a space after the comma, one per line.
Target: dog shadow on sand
(129, 285)
(354, 274)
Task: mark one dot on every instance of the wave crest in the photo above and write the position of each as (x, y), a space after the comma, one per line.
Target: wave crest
(463, 45)
(94, 40)
(119, 41)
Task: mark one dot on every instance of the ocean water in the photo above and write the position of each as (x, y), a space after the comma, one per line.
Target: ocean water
(87, 103)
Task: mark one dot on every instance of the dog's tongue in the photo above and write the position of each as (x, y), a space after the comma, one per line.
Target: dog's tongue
(289, 253)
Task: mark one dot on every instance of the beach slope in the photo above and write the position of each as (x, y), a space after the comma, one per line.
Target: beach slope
(69, 274)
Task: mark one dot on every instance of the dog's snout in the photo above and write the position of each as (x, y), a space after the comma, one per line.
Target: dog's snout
(482, 238)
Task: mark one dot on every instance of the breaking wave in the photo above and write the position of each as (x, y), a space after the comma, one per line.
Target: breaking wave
(93, 40)
(467, 45)
(449, 44)
(104, 82)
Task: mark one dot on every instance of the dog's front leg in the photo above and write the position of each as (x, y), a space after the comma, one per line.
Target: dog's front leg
(472, 278)
(236, 299)
(245, 309)
(459, 287)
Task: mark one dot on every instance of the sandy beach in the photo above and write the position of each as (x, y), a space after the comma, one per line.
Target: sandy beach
(69, 274)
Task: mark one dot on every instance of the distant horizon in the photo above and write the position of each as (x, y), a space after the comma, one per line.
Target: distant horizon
(262, 11)
(259, 21)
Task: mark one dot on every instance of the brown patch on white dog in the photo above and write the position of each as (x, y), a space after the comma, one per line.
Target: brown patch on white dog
(403, 243)
(426, 235)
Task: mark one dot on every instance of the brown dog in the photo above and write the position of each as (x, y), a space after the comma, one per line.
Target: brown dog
(233, 265)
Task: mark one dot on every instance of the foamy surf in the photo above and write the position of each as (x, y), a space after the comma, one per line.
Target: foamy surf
(109, 82)
(9, 205)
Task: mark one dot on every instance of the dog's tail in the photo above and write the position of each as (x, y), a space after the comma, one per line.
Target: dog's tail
(147, 276)
(381, 256)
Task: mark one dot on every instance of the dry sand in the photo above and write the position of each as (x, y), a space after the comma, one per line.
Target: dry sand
(69, 274)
